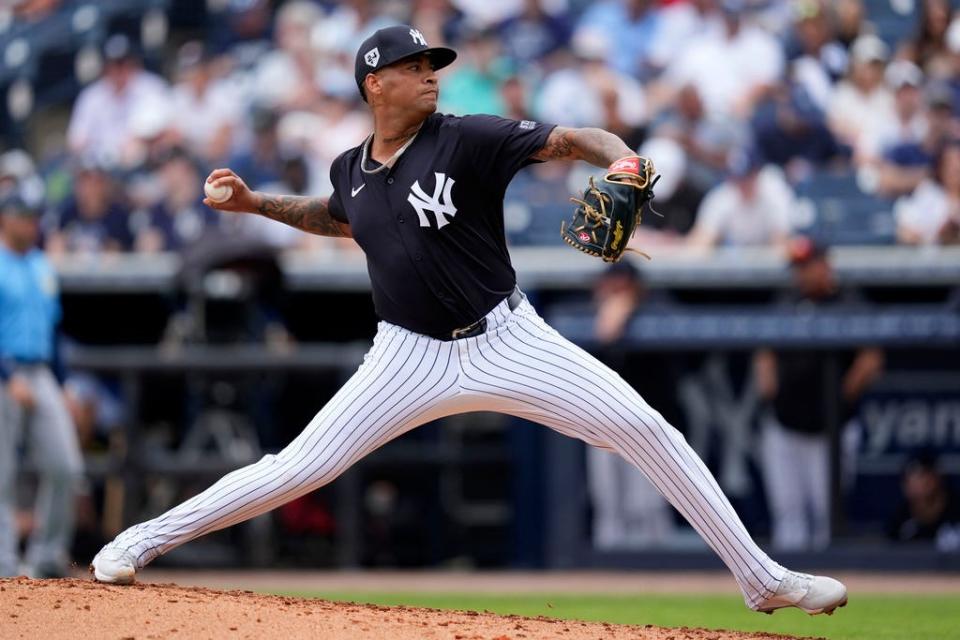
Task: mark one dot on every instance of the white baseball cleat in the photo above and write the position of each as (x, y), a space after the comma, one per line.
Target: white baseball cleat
(114, 566)
(813, 594)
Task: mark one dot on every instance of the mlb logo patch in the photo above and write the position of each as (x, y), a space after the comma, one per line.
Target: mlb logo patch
(372, 57)
(527, 124)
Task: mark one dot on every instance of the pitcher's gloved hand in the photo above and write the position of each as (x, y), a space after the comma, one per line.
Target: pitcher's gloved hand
(608, 214)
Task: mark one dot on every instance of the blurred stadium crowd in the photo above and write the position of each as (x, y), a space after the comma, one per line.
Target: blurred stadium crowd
(758, 114)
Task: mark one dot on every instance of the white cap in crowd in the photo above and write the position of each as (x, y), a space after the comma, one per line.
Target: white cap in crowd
(869, 48)
(903, 73)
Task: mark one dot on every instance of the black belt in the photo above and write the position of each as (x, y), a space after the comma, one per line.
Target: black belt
(480, 325)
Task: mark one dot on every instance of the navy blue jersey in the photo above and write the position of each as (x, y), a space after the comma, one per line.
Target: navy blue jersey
(431, 226)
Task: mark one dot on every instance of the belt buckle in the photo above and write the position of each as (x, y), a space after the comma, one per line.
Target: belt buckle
(465, 332)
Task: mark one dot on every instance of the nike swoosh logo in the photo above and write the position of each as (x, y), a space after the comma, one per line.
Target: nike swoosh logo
(354, 192)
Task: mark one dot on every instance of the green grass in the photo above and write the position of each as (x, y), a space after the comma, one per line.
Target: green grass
(867, 617)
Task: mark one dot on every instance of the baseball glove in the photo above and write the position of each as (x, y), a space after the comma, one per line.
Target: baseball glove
(607, 216)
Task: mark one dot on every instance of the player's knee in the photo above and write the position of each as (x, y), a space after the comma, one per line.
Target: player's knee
(314, 472)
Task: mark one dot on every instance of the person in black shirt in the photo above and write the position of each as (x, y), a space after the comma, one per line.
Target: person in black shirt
(795, 384)
(930, 510)
(423, 197)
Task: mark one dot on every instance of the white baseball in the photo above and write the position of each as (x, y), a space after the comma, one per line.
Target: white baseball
(218, 194)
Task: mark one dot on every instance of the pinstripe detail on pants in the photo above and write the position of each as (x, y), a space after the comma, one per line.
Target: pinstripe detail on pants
(519, 366)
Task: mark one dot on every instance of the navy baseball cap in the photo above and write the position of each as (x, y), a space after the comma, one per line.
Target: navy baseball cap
(392, 44)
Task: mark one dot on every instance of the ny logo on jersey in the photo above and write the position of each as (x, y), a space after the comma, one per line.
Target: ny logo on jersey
(418, 37)
(440, 206)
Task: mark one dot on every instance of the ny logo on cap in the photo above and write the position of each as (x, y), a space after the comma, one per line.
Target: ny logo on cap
(372, 57)
(418, 37)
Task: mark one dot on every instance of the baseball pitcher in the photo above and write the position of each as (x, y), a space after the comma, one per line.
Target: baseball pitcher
(423, 197)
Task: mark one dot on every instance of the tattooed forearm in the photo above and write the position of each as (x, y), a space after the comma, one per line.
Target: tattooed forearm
(305, 213)
(596, 146)
(558, 146)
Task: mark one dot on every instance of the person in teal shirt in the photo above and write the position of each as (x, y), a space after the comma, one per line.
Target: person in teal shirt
(475, 85)
(32, 407)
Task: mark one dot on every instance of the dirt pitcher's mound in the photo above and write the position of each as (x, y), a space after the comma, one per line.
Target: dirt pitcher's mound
(85, 609)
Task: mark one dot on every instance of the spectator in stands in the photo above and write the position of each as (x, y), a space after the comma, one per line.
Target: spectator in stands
(340, 32)
(438, 20)
(590, 94)
(931, 214)
(17, 168)
(483, 13)
(322, 134)
(93, 219)
(850, 21)
(910, 123)
(230, 23)
(681, 23)
(100, 125)
(951, 72)
(285, 76)
(533, 202)
(153, 133)
(818, 59)
(628, 513)
(862, 104)
(180, 218)
(206, 110)
(905, 165)
(516, 103)
(928, 48)
(533, 34)
(473, 86)
(930, 510)
(791, 129)
(731, 71)
(258, 163)
(691, 148)
(631, 26)
(18, 172)
(753, 206)
(294, 180)
(795, 445)
(31, 401)
(705, 138)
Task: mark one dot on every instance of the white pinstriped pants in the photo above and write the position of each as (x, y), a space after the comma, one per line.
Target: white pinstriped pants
(520, 366)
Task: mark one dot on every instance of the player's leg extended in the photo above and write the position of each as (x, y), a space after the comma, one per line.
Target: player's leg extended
(55, 448)
(405, 380)
(532, 371)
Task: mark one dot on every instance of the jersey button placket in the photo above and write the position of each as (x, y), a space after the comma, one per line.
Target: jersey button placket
(389, 180)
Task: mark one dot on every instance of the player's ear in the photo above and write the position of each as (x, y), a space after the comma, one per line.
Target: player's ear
(372, 86)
